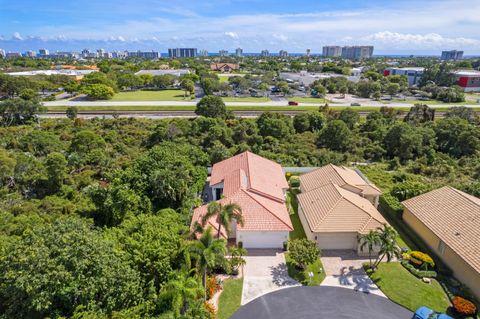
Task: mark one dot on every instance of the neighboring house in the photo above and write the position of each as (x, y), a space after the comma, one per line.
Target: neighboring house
(258, 186)
(224, 67)
(347, 178)
(448, 220)
(336, 205)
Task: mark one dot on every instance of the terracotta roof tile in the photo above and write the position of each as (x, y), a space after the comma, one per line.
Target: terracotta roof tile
(330, 208)
(341, 176)
(454, 217)
(256, 184)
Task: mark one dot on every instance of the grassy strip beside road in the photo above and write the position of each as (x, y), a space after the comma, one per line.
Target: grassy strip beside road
(160, 95)
(230, 298)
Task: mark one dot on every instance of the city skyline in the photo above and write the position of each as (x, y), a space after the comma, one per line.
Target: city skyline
(409, 27)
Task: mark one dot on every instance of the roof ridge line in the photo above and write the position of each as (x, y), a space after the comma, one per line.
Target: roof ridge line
(461, 193)
(246, 191)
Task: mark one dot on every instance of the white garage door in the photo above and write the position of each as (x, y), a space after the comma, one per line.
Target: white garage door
(262, 239)
(337, 241)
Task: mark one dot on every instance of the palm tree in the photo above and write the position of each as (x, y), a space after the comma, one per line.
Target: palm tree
(370, 240)
(183, 290)
(388, 246)
(225, 215)
(208, 253)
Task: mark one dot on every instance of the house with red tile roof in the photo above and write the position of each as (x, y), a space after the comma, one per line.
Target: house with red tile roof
(258, 186)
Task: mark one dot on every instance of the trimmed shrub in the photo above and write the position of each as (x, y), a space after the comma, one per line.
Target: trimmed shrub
(423, 257)
(294, 181)
(418, 273)
(463, 306)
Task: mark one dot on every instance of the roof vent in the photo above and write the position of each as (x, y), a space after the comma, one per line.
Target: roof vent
(457, 234)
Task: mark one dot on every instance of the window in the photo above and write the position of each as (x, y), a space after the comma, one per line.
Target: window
(218, 193)
(441, 247)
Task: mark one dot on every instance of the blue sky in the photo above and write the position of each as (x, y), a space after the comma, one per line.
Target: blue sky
(422, 26)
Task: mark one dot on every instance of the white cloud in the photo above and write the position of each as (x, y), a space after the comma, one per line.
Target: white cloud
(426, 41)
(17, 36)
(281, 37)
(232, 35)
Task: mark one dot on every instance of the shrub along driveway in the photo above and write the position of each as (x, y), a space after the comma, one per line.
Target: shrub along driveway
(264, 272)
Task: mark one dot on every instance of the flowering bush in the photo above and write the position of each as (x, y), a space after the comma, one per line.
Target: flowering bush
(211, 309)
(424, 258)
(405, 256)
(464, 306)
(212, 286)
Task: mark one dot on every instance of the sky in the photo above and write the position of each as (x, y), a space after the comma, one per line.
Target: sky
(393, 27)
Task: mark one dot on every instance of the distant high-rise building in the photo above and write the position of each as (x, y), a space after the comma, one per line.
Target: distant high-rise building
(283, 53)
(223, 53)
(182, 53)
(30, 54)
(357, 52)
(452, 55)
(239, 52)
(203, 53)
(307, 53)
(144, 54)
(2, 53)
(10, 55)
(331, 51)
(100, 53)
(265, 53)
(43, 52)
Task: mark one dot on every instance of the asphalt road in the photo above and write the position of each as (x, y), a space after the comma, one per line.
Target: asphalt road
(193, 103)
(321, 302)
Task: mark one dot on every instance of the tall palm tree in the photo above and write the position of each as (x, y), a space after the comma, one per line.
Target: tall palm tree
(225, 215)
(184, 289)
(388, 247)
(370, 240)
(208, 253)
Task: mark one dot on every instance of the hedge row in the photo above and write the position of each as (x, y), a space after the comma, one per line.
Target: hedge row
(419, 273)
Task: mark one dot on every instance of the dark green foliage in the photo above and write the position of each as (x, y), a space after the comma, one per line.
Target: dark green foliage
(212, 106)
(55, 268)
(275, 124)
(19, 111)
(336, 136)
(417, 272)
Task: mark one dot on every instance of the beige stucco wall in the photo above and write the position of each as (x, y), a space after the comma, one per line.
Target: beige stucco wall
(461, 270)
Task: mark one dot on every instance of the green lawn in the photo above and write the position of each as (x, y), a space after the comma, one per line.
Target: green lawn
(429, 102)
(407, 290)
(302, 276)
(230, 298)
(301, 99)
(161, 95)
(246, 99)
(298, 232)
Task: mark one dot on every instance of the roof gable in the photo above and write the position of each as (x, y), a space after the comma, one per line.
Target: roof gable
(331, 208)
(339, 175)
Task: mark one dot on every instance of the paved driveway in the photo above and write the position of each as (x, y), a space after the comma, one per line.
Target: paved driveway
(264, 272)
(321, 302)
(344, 269)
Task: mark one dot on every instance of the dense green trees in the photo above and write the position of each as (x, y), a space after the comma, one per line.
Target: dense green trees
(54, 269)
(19, 111)
(123, 189)
(212, 106)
